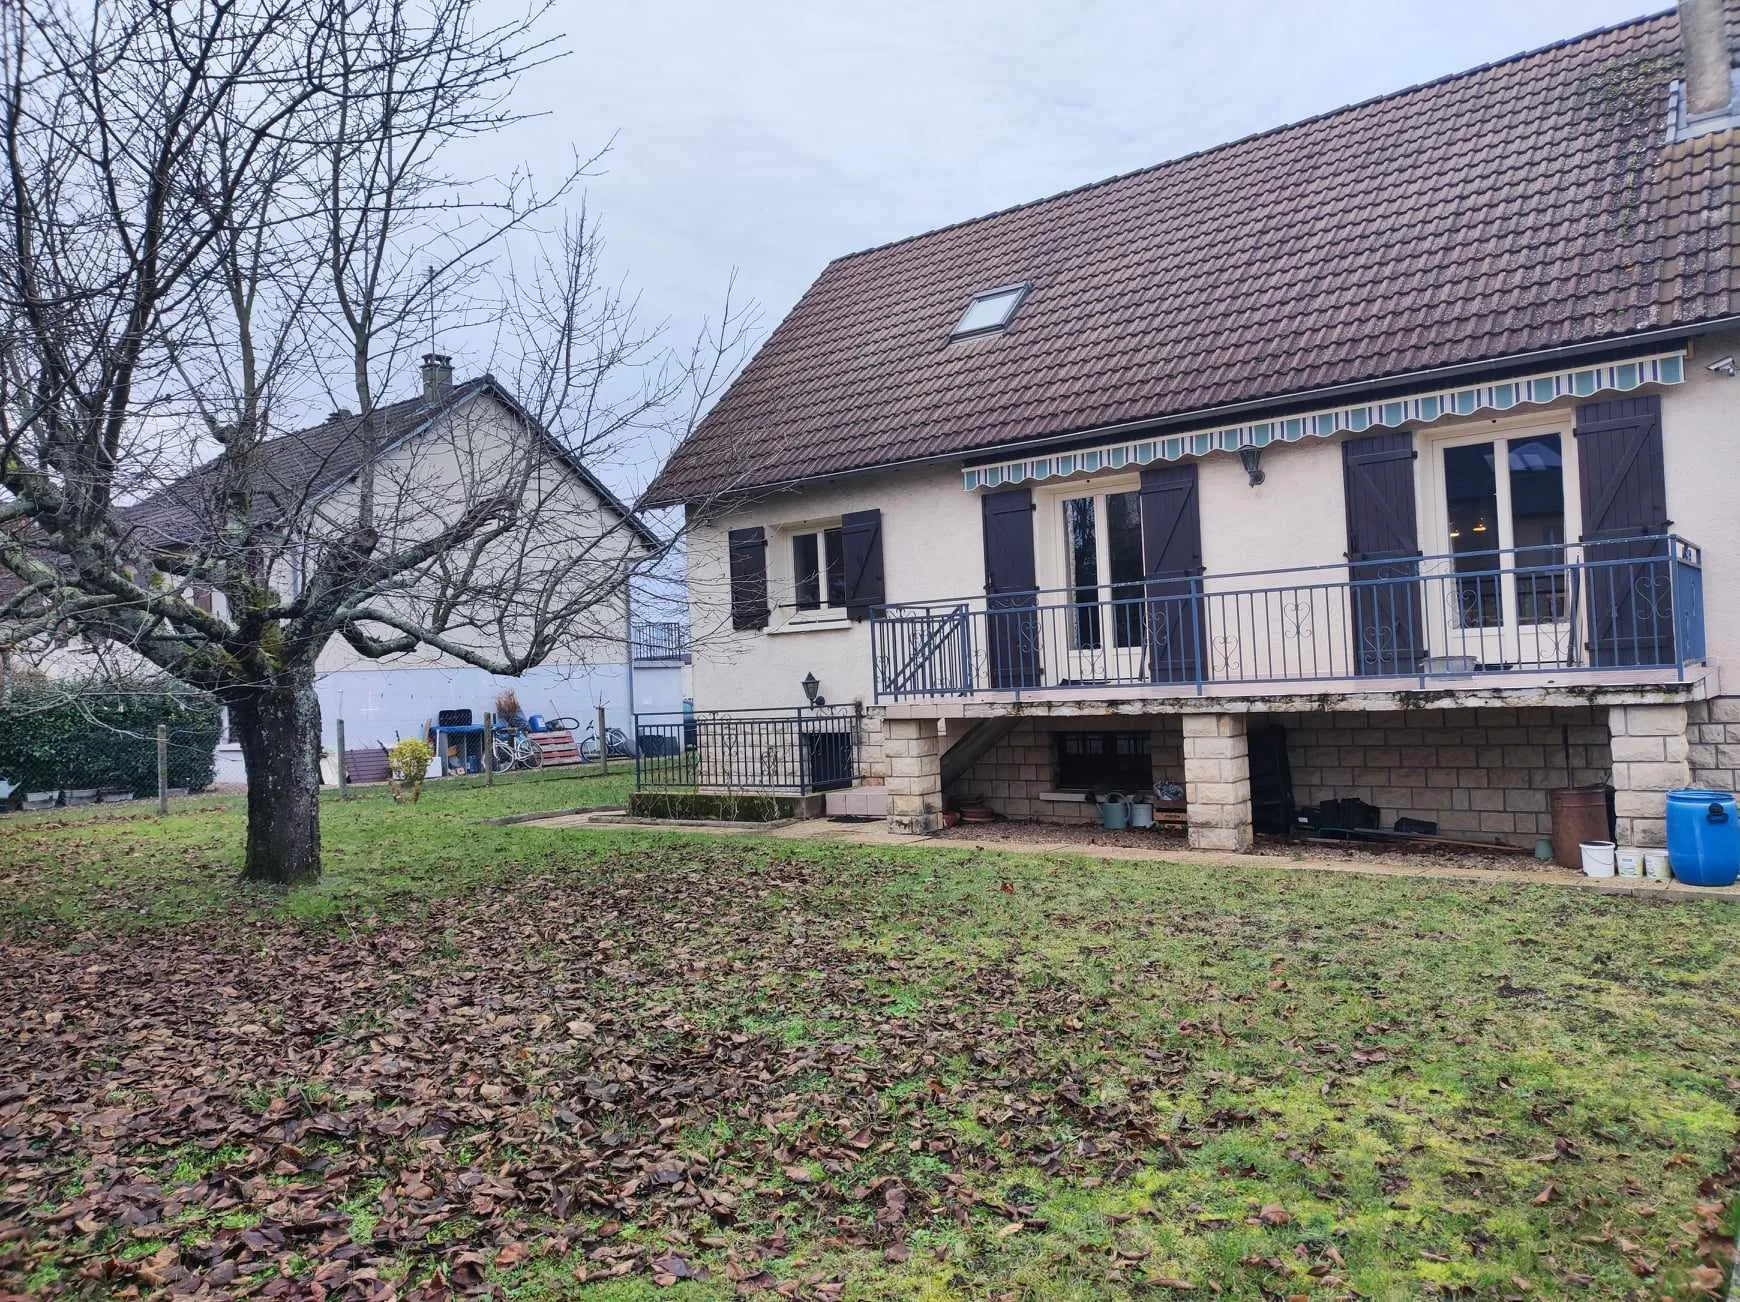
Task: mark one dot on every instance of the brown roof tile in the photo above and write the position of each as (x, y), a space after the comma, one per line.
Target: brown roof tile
(1525, 205)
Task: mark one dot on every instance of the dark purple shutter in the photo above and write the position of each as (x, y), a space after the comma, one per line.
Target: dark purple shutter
(748, 578)
(1172, 567)
(861, 541)
(1383, 551)
(1623, 484)
(1011, 599)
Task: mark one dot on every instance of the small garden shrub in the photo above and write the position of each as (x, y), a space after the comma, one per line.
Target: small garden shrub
(731, 806)
(407, 765)
(71, 735)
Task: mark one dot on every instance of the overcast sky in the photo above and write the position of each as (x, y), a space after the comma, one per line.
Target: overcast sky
(768, 136)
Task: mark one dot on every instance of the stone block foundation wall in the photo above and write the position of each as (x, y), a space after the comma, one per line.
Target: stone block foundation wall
(1651, 757)
(1713, 738)
(1475, 773)
(912, 749)
(1218, 781)
(1479, 774)
(872, 765)
(1014, 776)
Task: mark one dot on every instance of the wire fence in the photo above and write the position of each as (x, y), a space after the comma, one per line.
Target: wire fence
(94, 741)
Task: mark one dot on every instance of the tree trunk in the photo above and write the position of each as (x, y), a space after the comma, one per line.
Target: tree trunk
(278, 725)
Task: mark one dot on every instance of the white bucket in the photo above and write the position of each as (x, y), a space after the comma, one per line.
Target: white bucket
(1598, 858)
(1629, 860)
(1655, 866)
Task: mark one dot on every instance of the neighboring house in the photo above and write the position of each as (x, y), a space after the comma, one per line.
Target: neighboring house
(1390, 454)
(433, 444)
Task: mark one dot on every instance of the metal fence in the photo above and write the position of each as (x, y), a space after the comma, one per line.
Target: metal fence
(1622, 603)
(796, 750)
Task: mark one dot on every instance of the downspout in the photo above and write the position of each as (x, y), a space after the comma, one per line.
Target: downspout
(628, 632)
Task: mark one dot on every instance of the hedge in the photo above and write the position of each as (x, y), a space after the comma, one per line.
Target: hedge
(63, 735)
(729, 806)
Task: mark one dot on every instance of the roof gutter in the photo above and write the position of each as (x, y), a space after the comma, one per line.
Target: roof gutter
(1206, 415)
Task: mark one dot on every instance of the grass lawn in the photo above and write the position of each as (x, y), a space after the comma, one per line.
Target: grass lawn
(573, 1062)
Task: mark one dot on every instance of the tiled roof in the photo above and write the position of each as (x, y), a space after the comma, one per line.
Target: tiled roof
(1526, 205)
(287, 470)
(294, 468)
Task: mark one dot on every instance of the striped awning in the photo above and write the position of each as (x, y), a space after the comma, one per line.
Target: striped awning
(1438, 404)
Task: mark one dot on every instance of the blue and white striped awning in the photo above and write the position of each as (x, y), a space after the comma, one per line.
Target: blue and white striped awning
(1577, 382)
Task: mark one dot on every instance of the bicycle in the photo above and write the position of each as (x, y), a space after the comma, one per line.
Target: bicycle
(513, 748)
(615, 738)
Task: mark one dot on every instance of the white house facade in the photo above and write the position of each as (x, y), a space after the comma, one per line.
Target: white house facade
(1380, 458)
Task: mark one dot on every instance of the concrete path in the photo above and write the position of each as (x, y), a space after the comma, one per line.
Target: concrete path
(877, 834)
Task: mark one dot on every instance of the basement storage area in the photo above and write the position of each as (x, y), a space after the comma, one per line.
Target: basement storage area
(1469, 775)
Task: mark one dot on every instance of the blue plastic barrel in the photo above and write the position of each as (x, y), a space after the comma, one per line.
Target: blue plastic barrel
(1703, 836)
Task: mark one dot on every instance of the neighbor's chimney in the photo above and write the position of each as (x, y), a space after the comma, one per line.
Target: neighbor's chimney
(1708, 88)
(437, 376)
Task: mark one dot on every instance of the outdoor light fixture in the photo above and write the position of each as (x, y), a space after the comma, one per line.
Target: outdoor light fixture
(1252, 458)
(811, 688)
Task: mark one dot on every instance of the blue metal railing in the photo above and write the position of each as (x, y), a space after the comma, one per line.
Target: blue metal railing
(1620, 603)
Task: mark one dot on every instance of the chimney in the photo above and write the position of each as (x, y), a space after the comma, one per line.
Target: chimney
(1709, 89)
(437, 377)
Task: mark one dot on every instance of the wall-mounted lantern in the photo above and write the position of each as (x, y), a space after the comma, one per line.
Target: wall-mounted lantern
(1252, 459)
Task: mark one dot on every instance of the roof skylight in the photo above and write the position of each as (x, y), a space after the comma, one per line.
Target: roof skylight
(989, 311)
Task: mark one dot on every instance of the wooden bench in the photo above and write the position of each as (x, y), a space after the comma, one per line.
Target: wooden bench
(558, 748)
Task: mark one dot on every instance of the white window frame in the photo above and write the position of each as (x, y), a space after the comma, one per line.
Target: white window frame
(782, 577)
(1017, 295)
(1053, 551)
(1434, 515)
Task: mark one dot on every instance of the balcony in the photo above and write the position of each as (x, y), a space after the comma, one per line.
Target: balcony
(1622, 610)
(659, 642)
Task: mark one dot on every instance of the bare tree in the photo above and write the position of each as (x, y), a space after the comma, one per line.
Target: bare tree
(216, 209)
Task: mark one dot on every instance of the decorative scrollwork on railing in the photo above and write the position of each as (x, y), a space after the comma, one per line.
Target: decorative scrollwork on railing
(1546, 642)
(1377, 645)
(1653, 594)
(1296, 620)
(1467, 600)
(1225, 653)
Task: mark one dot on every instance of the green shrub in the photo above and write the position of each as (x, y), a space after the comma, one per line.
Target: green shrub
(732, 807)
(102, 734)
(407, 763)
